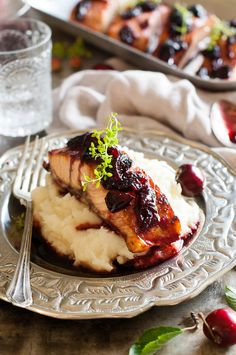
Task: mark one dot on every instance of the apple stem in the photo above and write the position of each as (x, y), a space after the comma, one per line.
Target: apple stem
(196, 322)
(215, 338)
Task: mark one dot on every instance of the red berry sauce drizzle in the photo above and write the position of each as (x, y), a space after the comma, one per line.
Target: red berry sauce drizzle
(125, 187)
(228, 111)
(129, 188)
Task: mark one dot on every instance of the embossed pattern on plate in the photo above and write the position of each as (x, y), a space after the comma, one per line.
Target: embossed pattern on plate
(179, 279)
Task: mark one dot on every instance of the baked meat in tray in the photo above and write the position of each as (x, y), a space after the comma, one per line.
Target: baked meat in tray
(187, 41)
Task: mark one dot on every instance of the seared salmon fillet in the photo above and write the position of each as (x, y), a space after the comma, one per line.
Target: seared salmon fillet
(140, 29)
(128, 201)
(177, 48)
(220, 61)
(96, 14)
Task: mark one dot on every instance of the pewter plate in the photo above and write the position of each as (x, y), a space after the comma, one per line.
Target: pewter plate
(62, 293)
(57, 13)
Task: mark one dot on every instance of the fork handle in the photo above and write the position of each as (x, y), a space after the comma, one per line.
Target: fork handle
(19, 291)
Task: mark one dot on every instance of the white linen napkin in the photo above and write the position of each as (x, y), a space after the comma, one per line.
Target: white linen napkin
(142, 99)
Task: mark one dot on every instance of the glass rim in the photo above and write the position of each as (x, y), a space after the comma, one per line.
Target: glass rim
(35, 46)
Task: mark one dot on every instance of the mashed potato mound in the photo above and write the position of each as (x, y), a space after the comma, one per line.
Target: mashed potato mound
(61, 216)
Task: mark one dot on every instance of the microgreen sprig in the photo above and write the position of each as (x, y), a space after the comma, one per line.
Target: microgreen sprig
(186, 14)
(220, 28)
(105, 139)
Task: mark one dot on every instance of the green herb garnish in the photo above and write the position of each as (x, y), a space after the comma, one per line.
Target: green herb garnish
(105, 139)
(230, 295)
(140, 2)
(185, 14)
(220, 28)
(20, 222)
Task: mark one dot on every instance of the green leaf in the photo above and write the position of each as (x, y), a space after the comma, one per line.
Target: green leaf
(230, 295)
(153, 340)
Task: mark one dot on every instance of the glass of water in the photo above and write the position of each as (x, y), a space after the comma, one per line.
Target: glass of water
(25, 77)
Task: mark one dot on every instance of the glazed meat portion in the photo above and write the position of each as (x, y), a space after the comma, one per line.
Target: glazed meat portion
(183, 35)
(128, 200)
(219, 61)
(96, 14)
(140, 25)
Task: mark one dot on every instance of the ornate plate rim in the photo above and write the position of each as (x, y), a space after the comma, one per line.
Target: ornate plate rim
(91, 310)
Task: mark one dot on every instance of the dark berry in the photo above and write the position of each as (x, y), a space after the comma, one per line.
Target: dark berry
(213, 53)
(233, 23)
(131, 12)
(103, 66)
(81, 144)
(144, 24)
(217, 63)
(222, 72)
(167, 53)
(117, 201)
(191, 179)
(127, 35)
(176, 18)
(222, 324)
(178, 23)
(198, 10)
(137, 180)
(148, 5)
(114, 151)
(203, 73)
(169, 49)
(120, 179)
(79, 141)
(231, 40)
(82, 8)
(146, 208)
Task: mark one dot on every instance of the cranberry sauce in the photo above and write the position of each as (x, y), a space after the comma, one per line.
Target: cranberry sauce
(118, 200)
(127, 35)
(217, 70)
(228, 117)
(178, 22)
(80, 145)
(169, 49)
(127, 187)
(82, 8)
(216, 64)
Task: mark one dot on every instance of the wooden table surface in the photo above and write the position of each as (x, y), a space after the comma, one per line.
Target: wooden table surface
(23, 332)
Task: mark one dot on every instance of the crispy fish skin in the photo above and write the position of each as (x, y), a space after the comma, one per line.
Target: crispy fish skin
(69, 171)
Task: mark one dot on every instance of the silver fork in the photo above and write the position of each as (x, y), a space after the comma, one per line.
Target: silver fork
(27, 178)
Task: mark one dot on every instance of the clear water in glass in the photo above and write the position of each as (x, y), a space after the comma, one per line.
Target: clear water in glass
(25, 77)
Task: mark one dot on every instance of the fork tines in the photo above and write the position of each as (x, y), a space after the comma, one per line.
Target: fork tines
(27, 176)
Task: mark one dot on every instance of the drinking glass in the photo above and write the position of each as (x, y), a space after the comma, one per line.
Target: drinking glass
(25, 77)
